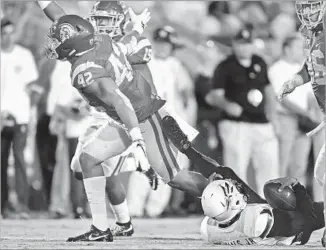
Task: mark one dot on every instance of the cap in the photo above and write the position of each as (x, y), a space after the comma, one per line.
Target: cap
(244, 36)
(167, 34)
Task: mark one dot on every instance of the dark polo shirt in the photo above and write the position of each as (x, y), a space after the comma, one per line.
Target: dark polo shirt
(237, 81)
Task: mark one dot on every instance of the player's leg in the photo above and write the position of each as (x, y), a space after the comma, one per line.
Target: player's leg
(114, 189)
(117, 197)
(162, 156)
(103, 142)
(204, 164)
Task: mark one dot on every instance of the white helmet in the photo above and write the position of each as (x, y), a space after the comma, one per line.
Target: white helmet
(222, 200)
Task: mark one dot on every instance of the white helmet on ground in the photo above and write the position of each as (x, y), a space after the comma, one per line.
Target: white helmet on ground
(222, 200)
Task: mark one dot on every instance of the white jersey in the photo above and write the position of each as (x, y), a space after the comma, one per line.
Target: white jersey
(252, 227)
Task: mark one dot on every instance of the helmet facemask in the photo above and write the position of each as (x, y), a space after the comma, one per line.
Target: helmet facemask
(310, 13)
(109, 23)
(50, 48)
(66, 32)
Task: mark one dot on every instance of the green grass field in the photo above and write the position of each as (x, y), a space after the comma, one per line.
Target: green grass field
(149, 234)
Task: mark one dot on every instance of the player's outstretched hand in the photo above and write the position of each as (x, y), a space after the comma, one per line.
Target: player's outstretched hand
(285, 182)
(289, 86)
(140, 20)
(138, 148)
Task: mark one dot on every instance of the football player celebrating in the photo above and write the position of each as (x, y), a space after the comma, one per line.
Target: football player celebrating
(231, 219)
(311, 15)
(109, 17)
(103, 76)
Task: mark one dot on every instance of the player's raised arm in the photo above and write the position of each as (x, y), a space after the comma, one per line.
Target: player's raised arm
(52, 9)
(129, 42)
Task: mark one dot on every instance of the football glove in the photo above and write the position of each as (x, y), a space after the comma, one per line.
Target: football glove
(139, 22)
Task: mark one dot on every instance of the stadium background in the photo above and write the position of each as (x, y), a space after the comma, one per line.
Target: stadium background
(199, 24)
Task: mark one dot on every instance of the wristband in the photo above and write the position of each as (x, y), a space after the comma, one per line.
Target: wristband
(44, 4)
(135, 134)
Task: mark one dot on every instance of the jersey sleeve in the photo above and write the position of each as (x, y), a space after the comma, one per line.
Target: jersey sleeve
(85, 74)
(142, 52)
(132, 43)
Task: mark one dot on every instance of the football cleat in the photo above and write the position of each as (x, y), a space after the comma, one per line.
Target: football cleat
(123, 229)
(173, 131)
(94, 234)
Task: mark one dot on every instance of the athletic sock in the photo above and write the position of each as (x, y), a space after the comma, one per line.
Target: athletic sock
(121, 212)
(95, 191)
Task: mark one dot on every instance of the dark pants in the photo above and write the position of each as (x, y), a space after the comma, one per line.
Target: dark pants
(46, 145)
(77, 193)
(15, 136)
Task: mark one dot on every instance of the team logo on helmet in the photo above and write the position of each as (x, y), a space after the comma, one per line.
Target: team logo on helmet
(66, 31)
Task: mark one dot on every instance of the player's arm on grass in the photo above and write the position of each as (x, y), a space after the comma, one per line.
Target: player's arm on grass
(52, 9)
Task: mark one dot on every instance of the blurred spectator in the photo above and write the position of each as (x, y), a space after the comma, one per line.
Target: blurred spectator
(253, 12)
(67, 123)
(46, 142)
(227, 24)
(294, 145)
(281, 31)
(18, 71)
(243, 91)
(208, 116)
